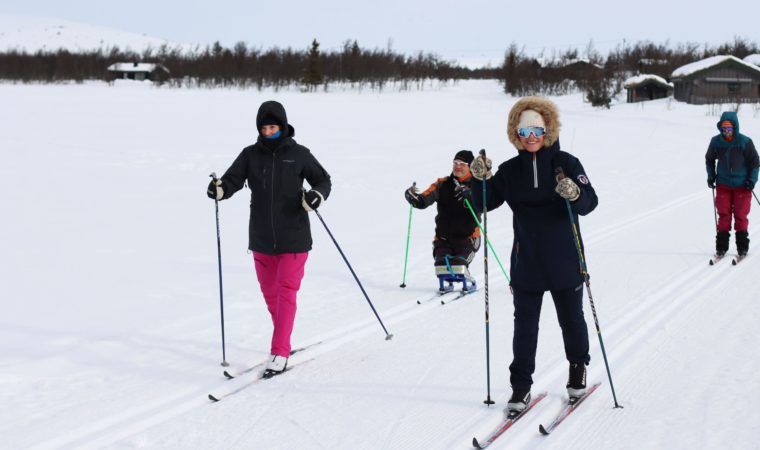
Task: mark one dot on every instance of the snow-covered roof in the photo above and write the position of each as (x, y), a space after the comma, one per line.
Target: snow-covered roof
(639, 79)
(753, 59)
(688, 69)
(135, 67)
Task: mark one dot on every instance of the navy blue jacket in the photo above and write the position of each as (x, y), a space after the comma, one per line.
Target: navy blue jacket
(544, 252)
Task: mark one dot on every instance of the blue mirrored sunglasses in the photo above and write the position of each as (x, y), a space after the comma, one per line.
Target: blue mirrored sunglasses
(527, 131)
(726, 129)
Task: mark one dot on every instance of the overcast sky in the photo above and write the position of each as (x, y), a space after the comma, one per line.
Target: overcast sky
(453, 29)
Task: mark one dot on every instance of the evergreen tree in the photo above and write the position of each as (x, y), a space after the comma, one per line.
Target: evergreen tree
(313, 76)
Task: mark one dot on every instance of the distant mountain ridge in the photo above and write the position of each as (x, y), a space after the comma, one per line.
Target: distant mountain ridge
(32, 34)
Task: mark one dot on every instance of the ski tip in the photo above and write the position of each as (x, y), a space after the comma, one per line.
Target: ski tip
(228, 375)
(475, 443)
(212, 398)
(543, 430)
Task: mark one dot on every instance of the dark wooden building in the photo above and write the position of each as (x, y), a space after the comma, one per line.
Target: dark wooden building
(647, 87)
(718, 79)
(137, 71)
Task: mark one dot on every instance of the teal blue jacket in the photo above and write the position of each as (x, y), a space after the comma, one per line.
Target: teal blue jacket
(737, 160)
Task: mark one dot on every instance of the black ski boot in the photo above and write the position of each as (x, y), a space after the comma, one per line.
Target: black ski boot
(576, 380)
(742, 242)
(519, 401)
(721, 242)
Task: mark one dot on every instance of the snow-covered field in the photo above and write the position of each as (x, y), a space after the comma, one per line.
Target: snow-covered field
(110, 329)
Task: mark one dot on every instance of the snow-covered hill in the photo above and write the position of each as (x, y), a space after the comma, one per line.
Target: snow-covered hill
(109, 328)
(37, 33)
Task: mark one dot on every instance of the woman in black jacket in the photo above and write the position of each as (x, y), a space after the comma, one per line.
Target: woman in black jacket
(275, 168)
(536, 185)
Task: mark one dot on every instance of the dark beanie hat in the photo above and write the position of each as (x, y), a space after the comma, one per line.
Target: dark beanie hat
(464, 156)
(269, 119)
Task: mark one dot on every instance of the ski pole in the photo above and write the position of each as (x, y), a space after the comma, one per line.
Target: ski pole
(715, 209)
(387, 336)
(488, 241)
(219, 257)
(488, 400)
(408, 234)
(587, 281)
(755, 195)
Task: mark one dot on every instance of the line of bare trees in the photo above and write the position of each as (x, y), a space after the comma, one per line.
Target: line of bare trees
(599, 77)
(243, 66)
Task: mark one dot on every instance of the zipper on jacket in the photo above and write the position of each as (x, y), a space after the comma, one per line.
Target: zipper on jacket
(535, 172)
(271, 208)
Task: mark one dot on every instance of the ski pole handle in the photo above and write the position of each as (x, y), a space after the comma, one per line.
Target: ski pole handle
(213, 176)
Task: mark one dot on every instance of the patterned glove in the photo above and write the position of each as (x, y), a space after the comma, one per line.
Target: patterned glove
(311, 200)
(215, 190)
(481, 168)
(567, 189)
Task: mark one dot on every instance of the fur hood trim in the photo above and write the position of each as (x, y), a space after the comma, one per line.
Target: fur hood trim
(548, 111)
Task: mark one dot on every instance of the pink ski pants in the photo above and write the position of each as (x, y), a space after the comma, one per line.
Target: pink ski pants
(280, 278)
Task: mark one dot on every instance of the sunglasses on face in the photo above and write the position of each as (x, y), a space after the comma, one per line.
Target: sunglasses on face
(726, 129)
(527, 131)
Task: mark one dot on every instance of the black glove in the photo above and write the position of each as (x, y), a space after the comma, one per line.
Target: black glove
(711, 183)
(412, 195)
(215, 189)
(463, 192)
(311, 200)
(749, 184)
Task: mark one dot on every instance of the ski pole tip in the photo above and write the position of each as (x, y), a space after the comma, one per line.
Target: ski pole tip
(389, 337)
(403, 285)
(225, 364)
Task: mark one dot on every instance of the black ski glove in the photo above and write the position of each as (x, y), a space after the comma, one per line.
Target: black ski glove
(749, 184)
(412, 195)
(711, 183)
(215, 189)
(463, 192)
(311, 200)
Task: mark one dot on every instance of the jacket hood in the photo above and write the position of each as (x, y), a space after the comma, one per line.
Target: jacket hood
(277, 111)
(731, 116)
(549, 113)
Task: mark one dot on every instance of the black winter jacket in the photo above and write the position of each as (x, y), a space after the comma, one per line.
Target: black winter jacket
(544, 252)
(454, 222)
(275, 174)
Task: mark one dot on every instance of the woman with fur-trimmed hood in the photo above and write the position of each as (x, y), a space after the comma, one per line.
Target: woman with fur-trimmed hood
(536, 185)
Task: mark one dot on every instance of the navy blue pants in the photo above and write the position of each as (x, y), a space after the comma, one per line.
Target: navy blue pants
(569, 306)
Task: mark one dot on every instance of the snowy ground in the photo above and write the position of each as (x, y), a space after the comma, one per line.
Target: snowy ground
(110, 333)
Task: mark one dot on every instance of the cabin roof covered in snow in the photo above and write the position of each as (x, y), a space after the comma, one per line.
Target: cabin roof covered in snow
(135, 67)
(640, 79)
(697, 66)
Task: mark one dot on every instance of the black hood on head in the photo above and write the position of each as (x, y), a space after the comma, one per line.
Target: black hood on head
(274, 110)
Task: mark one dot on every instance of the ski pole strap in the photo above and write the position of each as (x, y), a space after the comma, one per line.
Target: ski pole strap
(488, 241)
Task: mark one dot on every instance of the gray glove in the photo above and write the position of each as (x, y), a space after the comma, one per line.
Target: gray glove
(567, 189)
(481, 168)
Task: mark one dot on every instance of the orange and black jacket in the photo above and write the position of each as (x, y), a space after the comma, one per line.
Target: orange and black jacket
(454, 221)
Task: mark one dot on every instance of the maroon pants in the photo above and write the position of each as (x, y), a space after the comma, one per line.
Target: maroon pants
(734, 201)
(280, 278)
